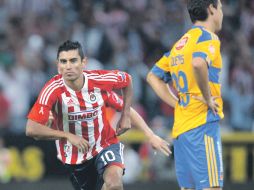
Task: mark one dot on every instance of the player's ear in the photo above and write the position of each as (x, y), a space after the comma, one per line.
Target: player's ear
(210, 9)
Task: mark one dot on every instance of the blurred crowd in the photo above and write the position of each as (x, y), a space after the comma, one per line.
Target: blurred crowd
(117, 34)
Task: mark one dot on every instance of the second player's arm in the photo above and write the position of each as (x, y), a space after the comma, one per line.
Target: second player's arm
(162, 89)
(200, 69)
(156, 142)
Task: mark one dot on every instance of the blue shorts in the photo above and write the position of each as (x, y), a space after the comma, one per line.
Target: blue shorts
(89, 175)
(198, 157)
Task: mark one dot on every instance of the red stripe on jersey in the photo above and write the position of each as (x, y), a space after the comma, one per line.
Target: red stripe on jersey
(62, 142)
(83, 123)
(74, 154)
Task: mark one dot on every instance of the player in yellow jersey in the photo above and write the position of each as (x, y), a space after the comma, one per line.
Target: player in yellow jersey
(194, 64)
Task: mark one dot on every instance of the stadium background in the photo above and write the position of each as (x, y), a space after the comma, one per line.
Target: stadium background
(127, 35)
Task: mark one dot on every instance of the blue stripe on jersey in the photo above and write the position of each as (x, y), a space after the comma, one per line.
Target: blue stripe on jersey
(167, 54)
(211, 117)
(165, 76)
(200, 54)
(214, 74)
(205, 36)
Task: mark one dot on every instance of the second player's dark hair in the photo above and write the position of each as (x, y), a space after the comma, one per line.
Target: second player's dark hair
(198, 9)
(70, 45)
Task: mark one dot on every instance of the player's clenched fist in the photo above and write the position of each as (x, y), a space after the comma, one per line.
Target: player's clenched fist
(123, 125)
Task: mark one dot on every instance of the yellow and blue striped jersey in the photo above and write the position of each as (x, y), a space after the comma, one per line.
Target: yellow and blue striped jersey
(177, 65)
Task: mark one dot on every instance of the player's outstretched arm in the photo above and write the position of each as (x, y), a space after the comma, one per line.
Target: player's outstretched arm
(156, 142)
(201, 75)
(124, 123)
(161, 89)
(41, 132)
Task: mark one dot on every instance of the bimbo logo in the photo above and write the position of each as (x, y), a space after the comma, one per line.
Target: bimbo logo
(82, 116)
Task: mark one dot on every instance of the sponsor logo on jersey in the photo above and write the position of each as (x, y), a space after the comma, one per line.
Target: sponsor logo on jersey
(70, 102)
(182, 43)
(83, 115)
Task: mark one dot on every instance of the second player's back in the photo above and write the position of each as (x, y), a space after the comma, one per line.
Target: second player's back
(192, 43)
(197, 42)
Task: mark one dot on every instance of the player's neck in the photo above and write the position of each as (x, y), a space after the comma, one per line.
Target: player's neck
(77, 84)
(207, 25)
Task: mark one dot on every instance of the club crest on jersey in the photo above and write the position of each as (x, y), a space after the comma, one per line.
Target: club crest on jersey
(182, 43)
(92, 97)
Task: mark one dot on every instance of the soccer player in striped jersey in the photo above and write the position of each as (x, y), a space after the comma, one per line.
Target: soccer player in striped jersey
(85, 141)
(194, 64)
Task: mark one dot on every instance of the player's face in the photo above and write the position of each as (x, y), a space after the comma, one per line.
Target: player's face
(218, 16)
(70, 65)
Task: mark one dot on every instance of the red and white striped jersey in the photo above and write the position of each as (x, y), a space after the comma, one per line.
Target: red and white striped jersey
(80, 112)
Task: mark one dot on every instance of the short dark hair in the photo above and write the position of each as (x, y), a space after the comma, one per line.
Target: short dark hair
(70, 45)
(198, 9)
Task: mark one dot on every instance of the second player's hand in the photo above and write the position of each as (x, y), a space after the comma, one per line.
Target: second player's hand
(124, 124)
(159, 144)
(212, 104)
(79, 142)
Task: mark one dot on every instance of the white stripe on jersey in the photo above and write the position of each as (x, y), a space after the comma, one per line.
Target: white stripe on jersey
(45, 91)
(100, 122)
(103, 79)
(101, 76)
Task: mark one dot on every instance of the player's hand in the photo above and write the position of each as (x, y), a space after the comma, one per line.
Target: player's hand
(212, 104)
(159, 144)
(123, 125)
(79, 142)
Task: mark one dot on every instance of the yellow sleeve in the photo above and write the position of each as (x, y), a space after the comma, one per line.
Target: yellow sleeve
(163, 62)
